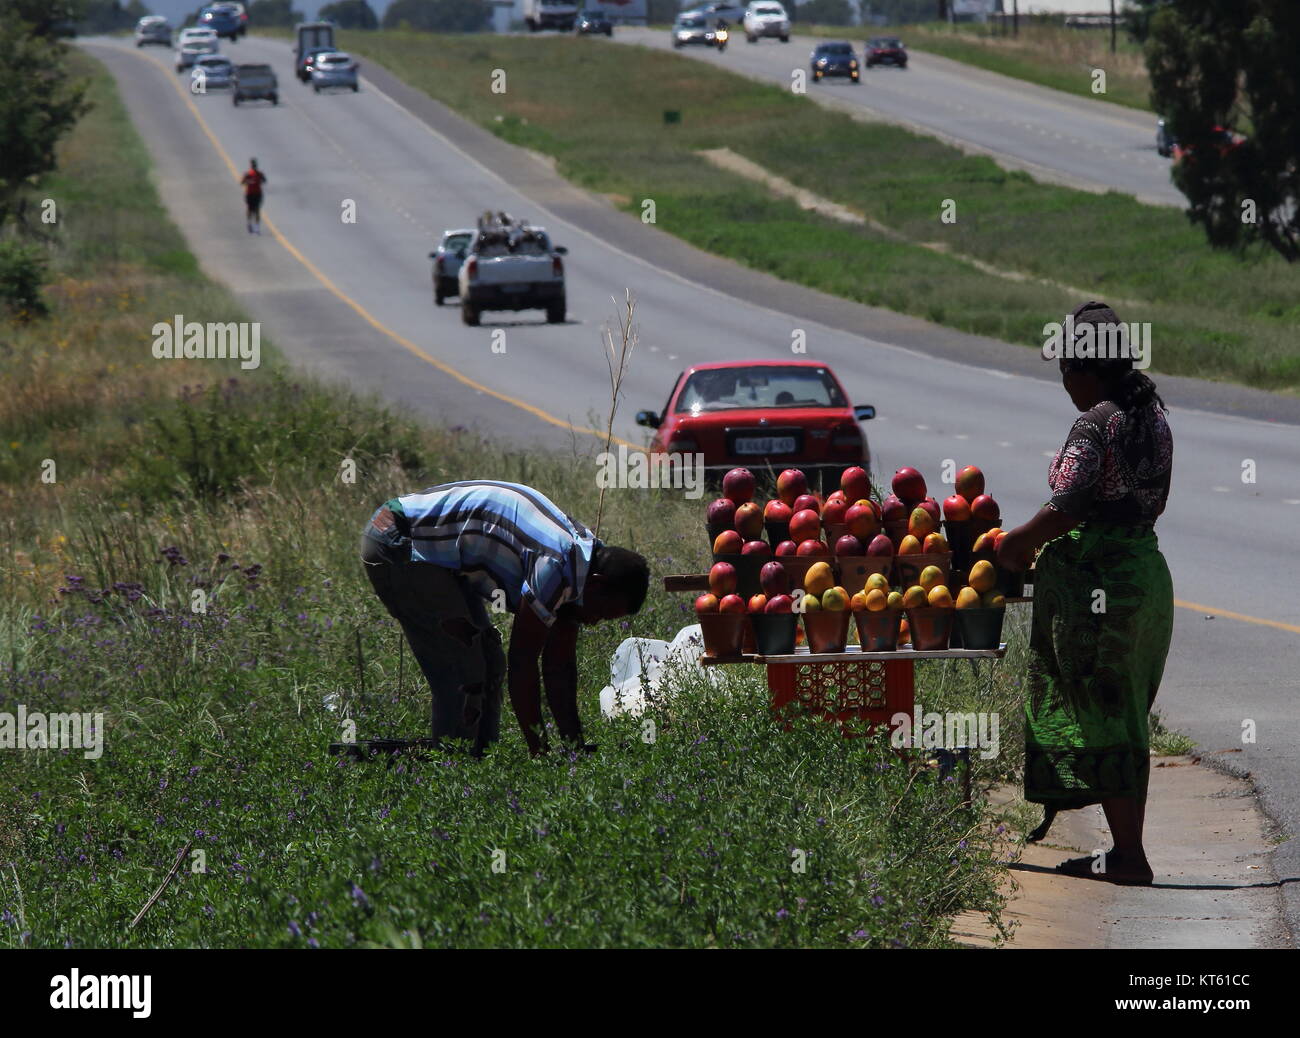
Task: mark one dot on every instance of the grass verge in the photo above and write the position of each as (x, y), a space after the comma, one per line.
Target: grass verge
(1212, 315)
(191, 575)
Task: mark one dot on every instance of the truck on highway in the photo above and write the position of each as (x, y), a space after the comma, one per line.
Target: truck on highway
(511, 265)
(550, 14)
(311, 37)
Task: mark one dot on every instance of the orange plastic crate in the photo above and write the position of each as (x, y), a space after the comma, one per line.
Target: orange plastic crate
(871, 691)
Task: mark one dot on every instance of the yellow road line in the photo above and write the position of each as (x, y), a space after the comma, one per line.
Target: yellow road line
(365, 315)
(1293, 628)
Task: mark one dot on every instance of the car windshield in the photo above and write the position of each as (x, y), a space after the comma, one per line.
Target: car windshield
(885, 41)
(730, 389)
(768, 10)
(835, 48)
(457, 243)
(690, 23)
(335, 59)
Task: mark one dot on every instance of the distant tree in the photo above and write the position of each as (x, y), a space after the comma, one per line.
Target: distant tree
(39, 103)
(350, 14)
(108, 15)
(826, 12)
(44, 17)
(1232, 63)
(1137, 17)
(437, 15)
(273, 13)
(662, 12)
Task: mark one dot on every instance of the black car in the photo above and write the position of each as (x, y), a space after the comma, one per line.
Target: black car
(593, 23)
(885, 50)
(223, 19)
(834, 59)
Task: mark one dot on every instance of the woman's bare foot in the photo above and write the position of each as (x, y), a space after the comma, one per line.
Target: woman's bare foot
(1111, 867)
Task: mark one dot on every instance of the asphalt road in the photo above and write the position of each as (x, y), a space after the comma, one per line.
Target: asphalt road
(352, 301)
(1072, 140)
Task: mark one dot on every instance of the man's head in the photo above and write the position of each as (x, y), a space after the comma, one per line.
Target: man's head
(252, 163)
(617, 581)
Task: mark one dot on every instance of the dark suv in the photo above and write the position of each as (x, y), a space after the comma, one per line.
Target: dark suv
(255, 83)
(224, 20)
(834, 59)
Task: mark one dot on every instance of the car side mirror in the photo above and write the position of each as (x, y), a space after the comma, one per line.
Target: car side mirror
(648, 419)
(864, 412)
(561, 250)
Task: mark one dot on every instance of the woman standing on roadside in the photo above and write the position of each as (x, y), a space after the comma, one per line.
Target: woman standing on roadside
(1103, 605)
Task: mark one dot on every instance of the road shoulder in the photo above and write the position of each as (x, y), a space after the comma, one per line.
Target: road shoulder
(1209, 844)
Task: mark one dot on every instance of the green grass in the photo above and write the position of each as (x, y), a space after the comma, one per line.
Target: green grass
(1213, 315)
(216, 722)
(1045, 52)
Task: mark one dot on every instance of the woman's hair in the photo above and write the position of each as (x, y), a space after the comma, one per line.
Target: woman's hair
(1130, 388)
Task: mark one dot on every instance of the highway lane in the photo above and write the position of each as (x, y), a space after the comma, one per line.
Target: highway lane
(1054, 136)
(1224, 540)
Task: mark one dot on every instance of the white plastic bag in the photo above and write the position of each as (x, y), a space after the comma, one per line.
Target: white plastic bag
(641, 667)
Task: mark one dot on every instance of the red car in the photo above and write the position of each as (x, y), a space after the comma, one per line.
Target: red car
(761, 413)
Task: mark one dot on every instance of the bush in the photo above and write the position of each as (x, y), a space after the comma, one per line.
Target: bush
(22, 275)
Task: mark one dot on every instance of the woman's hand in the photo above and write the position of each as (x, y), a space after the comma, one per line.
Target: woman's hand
(1016, 550)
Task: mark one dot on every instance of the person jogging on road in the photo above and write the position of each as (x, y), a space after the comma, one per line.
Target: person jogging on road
(253, 180)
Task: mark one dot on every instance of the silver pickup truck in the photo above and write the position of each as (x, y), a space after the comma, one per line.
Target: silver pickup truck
(511, 266)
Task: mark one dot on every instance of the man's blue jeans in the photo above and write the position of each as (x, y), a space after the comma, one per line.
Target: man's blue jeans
(447, 625)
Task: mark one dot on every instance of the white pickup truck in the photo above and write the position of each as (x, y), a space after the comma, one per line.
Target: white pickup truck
(550, 14)
(511, 266)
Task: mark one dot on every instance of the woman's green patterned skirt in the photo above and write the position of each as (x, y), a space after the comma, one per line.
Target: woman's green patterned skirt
(1103, 617)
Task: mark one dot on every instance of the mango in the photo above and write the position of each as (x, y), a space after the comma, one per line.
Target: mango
(909, 545)
(878, 582)
(982, 576)
(940, 597)
(858, 603)
(895, 600)
(968, 598)
(930, 577)
(819, 580)
(877, 600)
(811, 604)
(935, 544)
(835, 600)
(993, 600)
(915, 597)
(920, 523)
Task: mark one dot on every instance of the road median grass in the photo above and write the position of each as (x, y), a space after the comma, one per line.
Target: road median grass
(598, 109)
(191, 574)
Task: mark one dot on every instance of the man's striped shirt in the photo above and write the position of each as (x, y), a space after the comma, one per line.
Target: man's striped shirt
(502, 536)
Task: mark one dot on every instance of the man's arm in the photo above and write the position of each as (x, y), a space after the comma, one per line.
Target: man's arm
(528, 636)
(560, 675)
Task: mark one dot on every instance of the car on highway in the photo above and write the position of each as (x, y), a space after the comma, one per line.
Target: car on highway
(762, 413)
(195, 32)
(692, 27)
(309, 37)
(153, 29)
(335, 71)
(447, 261)
(593, 22)
(766, 19)
(511, 265)
(255, 83)
(550, 14)
(188, 53)
(885, 50)
(834, 58)
(1222, 140)
(212, 72)
(223, 19)
(307, 63)
(1164, 139)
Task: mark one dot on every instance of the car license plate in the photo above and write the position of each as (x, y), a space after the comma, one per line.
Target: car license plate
(514, 288)
(764, 444)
